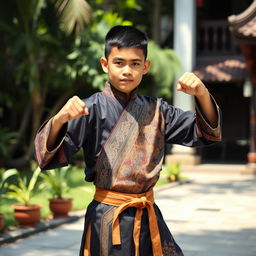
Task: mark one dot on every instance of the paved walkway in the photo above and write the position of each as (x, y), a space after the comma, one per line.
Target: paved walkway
(214, 215)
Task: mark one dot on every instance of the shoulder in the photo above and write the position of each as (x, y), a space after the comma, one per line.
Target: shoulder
(94, 99)
(148, 99)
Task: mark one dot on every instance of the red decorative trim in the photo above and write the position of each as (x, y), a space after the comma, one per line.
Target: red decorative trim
(44, 157)
(204, 128)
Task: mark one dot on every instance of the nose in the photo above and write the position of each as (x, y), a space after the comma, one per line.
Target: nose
(127, 70)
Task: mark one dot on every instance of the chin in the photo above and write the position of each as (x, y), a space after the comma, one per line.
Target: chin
(125, 91)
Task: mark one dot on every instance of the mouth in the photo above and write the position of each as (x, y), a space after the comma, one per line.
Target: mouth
(126, 80)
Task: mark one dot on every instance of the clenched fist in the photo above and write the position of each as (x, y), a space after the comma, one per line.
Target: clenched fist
(189, 83)
(73, 109)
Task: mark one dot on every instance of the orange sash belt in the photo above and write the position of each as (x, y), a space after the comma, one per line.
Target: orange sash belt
(140, 201)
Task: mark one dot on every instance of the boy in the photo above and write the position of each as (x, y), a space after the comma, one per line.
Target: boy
(123, 136)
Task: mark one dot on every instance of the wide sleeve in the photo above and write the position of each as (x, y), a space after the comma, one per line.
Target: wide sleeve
(70, 139)
(189, 128)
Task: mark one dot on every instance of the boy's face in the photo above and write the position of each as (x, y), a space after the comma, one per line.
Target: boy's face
(125, 68)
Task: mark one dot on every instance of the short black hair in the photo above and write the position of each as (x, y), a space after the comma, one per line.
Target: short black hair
(126, 36)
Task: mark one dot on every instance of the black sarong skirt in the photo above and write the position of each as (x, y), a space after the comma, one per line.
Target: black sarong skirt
(99, 217)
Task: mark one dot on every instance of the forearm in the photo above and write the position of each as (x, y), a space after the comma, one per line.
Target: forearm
(73, 109)
(189, 83)
(54, 131)
(52, 155)
(208, 108)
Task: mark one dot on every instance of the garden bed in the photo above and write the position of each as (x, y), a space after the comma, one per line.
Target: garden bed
(80, 191)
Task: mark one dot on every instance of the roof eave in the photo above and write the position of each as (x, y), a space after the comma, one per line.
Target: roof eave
(236, 21)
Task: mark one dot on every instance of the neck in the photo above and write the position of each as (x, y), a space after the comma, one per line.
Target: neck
(120, 96)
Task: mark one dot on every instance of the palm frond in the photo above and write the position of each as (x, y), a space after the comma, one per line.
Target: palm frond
(24, 190)
(37, 8)
(29, 10)
(5, 174)
(33, 179)
(74, 14)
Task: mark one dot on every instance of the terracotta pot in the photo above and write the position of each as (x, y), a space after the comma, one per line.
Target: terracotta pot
(27, 216)
(60, 207)
(1, 221)
(170, 179)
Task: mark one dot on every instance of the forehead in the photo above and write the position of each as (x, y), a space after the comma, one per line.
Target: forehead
(126, 53)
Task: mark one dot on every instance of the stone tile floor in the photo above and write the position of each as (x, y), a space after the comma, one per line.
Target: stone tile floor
(213, 215)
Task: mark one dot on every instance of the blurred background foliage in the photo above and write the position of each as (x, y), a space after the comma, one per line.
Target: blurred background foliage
(50, 50)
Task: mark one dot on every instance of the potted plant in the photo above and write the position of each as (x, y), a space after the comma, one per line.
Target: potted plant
(56, 182)
(26, 214)
(4, 175)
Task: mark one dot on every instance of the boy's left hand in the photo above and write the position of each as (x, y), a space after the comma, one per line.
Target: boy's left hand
(189, 83)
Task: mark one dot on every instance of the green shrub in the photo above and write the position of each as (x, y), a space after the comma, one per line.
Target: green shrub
(56, 181)
(24, 191)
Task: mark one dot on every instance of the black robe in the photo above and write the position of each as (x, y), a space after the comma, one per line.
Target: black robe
(160, 123)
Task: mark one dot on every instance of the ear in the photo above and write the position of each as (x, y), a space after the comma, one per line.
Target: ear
(104, 64)
(146, 66)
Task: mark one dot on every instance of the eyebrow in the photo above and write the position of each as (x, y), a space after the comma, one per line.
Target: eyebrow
(121, 59)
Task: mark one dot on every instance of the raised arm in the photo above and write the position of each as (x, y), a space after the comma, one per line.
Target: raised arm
(73, 109)
(189, 83)
(53, 145)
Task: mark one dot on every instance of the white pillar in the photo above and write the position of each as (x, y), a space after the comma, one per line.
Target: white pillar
(184, 45)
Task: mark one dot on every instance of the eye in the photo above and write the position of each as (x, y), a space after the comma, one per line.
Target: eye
(118, 63)
(136, 64)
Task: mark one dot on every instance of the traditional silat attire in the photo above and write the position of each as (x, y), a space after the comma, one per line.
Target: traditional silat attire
(124, 144)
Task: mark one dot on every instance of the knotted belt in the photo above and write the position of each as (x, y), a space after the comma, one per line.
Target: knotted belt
(140, 201)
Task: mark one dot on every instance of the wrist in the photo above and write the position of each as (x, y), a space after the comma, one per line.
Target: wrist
(203, 95)
(57, 121)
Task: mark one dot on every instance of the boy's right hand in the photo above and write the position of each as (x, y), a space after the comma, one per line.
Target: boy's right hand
(73, 109)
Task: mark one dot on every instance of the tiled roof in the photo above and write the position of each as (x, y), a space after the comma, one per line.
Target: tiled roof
(249, 29)
(225, 70)
(243, 25)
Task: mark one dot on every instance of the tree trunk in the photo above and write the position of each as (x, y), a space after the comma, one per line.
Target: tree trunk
(36, 105)
(156, 21)
(22, 129)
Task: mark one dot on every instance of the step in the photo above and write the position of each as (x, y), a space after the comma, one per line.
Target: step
(217, 168)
